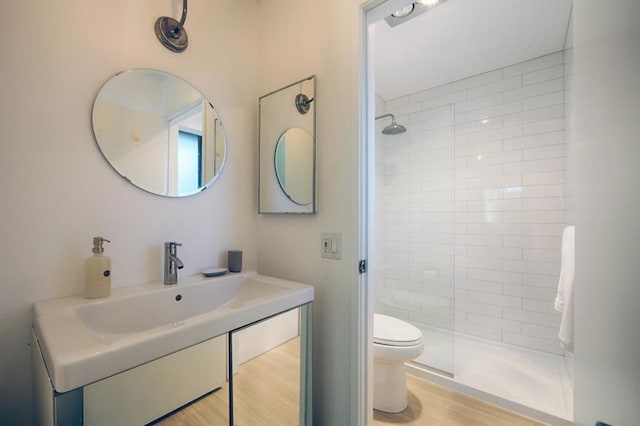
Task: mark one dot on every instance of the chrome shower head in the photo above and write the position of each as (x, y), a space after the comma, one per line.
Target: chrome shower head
(393, 128)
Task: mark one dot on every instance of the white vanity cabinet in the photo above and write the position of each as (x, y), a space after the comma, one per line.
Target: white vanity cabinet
(139, 395)
(147, 350)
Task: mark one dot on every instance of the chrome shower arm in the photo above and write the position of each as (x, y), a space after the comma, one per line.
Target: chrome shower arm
(184, 13)
(384, 116)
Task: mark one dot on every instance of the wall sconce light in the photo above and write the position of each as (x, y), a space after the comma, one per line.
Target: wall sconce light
(303, 103)
(171, 33)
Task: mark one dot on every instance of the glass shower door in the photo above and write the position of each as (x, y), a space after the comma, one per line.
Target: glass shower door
(414, 224)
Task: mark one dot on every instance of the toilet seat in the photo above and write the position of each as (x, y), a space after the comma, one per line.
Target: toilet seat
(389, 331)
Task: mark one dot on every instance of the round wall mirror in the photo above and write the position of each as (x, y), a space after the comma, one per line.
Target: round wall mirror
(159, 132)
(294, 165)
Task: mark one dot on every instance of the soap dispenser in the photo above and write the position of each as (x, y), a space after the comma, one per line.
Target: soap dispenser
(97, 272)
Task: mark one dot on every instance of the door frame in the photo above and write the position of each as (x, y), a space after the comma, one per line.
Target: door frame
(362, 408)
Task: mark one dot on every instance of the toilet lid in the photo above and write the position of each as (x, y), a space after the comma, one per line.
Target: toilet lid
(394, 332)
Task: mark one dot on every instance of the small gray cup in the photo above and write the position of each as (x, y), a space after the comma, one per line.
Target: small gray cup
(235, 260)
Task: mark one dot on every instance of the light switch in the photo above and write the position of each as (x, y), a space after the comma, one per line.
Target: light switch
(331, 245)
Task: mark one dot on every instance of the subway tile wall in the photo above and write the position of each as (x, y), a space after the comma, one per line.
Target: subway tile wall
(470, 204)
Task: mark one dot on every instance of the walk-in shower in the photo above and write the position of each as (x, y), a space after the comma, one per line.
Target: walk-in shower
(470, 198)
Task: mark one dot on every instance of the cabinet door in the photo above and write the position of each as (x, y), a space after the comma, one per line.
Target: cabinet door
(269, 375)
(151, 391)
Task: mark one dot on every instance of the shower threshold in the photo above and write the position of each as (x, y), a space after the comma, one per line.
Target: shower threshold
(529, 382)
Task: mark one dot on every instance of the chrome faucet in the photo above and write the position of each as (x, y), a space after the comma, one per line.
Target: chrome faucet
(171, 263)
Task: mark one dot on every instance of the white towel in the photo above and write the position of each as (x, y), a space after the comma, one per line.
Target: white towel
(564, 299)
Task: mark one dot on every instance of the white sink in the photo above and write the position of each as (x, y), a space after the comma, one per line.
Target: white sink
(84, 341)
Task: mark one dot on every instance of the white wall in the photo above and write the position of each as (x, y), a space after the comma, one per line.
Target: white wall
(606, 147)
(300, 38)
(56, 190)
(488, 153)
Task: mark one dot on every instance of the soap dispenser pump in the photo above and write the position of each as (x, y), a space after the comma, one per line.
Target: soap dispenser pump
(97, 272)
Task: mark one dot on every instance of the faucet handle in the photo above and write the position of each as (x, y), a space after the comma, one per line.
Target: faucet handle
(172, 244)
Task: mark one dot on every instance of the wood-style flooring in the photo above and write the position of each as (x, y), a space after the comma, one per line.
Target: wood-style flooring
(267, 393)
(430, 404)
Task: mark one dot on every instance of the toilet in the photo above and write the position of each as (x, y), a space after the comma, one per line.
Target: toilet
(394, 343)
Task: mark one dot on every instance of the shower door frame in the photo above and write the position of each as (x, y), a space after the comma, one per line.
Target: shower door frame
(362, 407)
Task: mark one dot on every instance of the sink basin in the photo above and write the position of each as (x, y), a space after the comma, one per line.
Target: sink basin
(140, 313)
(84, 341)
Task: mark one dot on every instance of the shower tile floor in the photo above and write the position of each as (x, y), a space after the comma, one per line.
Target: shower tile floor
(516, 378)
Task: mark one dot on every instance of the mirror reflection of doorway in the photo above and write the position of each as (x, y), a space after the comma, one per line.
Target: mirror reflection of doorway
(189, 162)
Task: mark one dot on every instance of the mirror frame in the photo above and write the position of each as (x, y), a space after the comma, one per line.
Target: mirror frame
(201, 189)
(272, 198)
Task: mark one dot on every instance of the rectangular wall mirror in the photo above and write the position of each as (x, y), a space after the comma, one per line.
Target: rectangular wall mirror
(287, 149)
